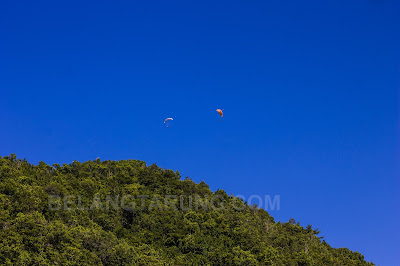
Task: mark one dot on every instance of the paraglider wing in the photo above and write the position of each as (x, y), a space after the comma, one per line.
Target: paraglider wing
(166, 121)
(220, 112)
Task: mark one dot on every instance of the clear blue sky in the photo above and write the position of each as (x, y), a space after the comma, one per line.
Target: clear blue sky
(310, 91)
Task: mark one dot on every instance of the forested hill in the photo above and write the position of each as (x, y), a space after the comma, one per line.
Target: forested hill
(127, 213)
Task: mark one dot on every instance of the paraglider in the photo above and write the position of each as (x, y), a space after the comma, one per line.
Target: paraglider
(166, 121)
(220, 113)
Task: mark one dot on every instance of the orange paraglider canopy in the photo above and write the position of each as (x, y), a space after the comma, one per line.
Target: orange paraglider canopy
(220, 112)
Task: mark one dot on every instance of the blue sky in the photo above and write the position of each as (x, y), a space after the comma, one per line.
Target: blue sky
(310, 91)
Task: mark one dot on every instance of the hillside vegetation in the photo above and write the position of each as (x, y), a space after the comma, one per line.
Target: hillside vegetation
(127, 213)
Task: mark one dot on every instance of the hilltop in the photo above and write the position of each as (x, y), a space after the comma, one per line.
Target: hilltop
(128, 213)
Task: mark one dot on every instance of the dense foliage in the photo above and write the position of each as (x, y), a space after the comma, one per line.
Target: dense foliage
(36, 228)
